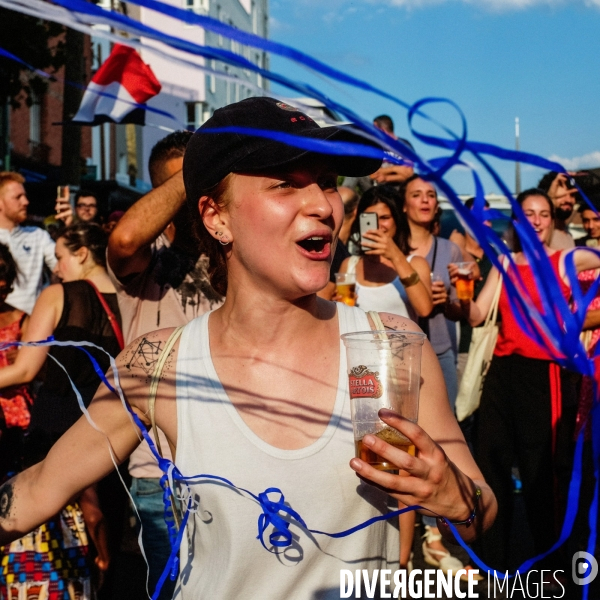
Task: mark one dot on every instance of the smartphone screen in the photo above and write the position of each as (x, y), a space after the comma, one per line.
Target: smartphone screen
(367, 221)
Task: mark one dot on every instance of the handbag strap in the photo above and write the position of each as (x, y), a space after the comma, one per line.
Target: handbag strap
(112, 319)
(492, 315)
(435, 245)
(155, 380)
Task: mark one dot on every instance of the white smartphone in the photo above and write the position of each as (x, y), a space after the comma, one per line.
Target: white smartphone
(367, 221)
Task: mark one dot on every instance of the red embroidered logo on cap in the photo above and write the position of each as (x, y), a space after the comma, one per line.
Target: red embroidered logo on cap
(285, 106)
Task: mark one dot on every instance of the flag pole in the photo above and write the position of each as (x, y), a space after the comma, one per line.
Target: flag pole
(517, 164)
(102, 139)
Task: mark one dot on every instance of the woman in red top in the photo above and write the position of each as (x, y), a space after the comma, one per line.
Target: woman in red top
(15, 400)
(521, 401)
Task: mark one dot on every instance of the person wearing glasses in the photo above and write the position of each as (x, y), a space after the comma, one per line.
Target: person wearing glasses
(86, 208)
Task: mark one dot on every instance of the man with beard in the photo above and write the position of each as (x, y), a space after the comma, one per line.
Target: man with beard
(563, 196)
(162, 281)
(31, 247)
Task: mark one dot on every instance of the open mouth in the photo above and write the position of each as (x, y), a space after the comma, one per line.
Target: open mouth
(317, 245)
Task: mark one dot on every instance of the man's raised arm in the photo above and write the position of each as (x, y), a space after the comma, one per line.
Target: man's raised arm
(129, 246)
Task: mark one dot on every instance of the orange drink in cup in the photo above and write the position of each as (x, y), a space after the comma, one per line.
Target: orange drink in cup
(346, 287)
(465, 284)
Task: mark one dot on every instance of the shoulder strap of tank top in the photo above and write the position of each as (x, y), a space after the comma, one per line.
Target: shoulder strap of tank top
(374, 316)
(162, 359)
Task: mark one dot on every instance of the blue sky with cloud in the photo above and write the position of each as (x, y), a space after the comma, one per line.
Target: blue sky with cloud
(538, 60)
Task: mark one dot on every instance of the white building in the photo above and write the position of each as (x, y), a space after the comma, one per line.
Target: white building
(189, 94)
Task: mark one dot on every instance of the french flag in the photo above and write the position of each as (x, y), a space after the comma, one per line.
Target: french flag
(120, 85)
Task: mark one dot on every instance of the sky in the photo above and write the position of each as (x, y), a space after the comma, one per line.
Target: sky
(538, 60)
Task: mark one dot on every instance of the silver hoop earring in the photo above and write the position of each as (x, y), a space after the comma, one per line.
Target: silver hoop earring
(224, 241)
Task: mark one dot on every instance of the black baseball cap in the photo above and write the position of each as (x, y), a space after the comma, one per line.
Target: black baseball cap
(211, 156)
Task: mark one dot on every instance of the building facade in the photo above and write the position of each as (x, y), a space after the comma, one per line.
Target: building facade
(120, 153)
(189, 94)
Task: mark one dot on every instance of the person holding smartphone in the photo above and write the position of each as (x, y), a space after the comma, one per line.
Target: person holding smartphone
(420, 207)
(387, 278)
(86, 206)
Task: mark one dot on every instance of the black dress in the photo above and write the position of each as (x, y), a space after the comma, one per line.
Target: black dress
(56, 408)
(83, 319)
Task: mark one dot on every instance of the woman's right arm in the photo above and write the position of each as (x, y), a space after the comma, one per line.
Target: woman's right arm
(81, 456)
(42, 323)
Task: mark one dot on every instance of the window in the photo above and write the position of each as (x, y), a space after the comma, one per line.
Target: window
(254, 18)
(235, 45)
(198, 6)
(210, 82)
(259, 78)
(196, 114)
(35, 119)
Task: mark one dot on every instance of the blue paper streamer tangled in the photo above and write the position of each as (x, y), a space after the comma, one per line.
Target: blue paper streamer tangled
(556, 324)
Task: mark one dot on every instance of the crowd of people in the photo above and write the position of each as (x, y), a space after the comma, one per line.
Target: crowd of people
(230, 264)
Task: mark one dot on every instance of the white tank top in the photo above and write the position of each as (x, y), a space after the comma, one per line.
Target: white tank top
(388, 298)
(220, 555)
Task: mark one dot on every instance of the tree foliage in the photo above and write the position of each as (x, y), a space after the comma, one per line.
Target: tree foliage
(38, 43)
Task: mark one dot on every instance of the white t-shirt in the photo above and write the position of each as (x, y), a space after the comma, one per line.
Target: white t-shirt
(31, 247)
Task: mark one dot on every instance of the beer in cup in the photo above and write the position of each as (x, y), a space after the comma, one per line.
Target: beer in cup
(465, 284)
(346, 287)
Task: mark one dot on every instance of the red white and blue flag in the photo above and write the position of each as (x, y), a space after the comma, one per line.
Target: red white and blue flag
(116, 91)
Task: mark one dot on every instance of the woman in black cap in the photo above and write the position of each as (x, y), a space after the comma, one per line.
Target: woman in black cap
(256, 391)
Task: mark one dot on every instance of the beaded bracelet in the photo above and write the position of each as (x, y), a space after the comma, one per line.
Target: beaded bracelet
(469, 521)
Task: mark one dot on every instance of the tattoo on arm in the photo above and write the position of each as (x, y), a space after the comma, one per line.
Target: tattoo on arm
(145, 356)
(6, 500)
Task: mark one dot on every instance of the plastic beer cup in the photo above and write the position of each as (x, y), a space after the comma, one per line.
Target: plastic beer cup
(384, 371)
(346, 287)
(465, 284)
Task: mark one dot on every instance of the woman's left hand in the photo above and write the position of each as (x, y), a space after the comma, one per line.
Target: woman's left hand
(429, 479)
(439, 293)
(381, 244)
